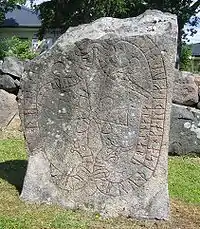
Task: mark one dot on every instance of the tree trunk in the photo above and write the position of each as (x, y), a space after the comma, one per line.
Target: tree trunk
(179, 44)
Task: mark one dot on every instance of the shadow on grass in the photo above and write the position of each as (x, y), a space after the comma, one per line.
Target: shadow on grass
(14, 172)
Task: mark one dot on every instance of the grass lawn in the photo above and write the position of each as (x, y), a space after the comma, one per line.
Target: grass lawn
(184, 186)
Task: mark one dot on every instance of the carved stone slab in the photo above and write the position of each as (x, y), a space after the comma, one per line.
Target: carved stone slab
(95, 111)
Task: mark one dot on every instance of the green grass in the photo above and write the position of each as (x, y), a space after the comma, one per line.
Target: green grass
(12, 149)
(184, 176)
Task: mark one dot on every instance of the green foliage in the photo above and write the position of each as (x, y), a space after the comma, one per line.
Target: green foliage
(196, 65)
(16, 47)
(62, 14)
(185, 58)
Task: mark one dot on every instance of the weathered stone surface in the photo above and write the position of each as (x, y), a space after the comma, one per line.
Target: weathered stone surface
(7, 83)
(9, 111)
(12, 66)
(17, 83)
(95, 112)
(11, 70)
(197, 79)
(184, 130)
(1, 64)
(198, 105)
(185, 89)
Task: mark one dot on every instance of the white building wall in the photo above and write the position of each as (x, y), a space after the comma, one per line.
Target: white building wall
(31, 34)
(28, 33)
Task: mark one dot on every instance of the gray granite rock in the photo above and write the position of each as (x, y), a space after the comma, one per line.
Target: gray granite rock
(1, 64)
(8, 84)
(12, 66)
(198, 105)
(17, 83)
(184, 130)
(185, 89)
(197, 79)
(8, 111)
(95, 110)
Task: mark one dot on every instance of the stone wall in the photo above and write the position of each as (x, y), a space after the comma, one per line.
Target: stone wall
(11, 70)
(185, 115)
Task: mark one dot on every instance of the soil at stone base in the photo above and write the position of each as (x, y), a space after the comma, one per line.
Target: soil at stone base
(183, 216)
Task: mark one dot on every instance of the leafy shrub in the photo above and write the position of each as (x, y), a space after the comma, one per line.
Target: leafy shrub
(16, 47)
(185, 58)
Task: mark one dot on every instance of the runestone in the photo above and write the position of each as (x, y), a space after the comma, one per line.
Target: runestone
(95, 111)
